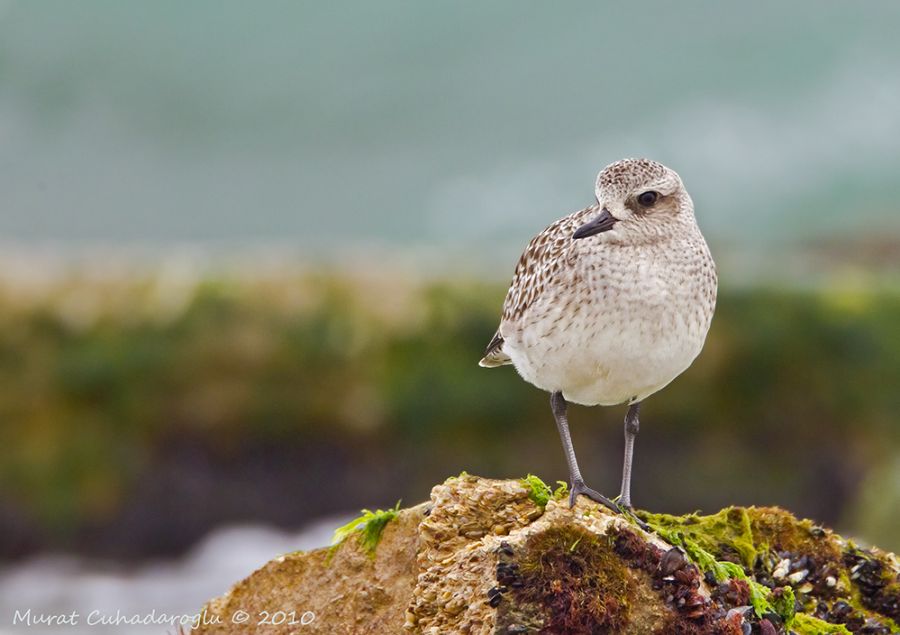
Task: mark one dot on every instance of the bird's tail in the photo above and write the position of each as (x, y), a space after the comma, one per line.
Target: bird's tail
(494, 355)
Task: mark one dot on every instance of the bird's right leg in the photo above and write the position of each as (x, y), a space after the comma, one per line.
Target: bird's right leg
(558, 405)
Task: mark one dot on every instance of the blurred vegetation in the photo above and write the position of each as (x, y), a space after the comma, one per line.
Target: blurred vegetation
(136, 411)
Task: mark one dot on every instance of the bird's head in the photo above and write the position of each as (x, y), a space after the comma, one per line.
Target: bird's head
(635, 192)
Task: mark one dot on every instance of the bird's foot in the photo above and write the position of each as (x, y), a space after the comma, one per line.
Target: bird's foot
(628, 511)
(579, 488)
(616, 506)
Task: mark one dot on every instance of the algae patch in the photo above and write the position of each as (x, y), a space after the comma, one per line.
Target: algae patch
(808, 625)
(540, 493)
(729, 533)
(368, 528)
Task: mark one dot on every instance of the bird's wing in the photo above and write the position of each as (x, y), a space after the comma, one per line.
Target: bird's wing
(539, 264)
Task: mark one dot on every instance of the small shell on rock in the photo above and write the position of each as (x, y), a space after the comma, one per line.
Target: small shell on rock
(673, 560)
(798, 577)
(504, 548)
(766, 628)
(782, 569)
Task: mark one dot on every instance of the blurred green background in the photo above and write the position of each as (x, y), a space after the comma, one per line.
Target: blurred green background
(250, 254)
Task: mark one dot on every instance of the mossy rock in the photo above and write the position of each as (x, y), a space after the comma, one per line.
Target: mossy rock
(487, 556)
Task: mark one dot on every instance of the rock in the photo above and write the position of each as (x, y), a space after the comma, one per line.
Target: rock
(485, 557)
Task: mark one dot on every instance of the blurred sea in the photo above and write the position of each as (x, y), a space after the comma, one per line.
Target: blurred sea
(452, 129)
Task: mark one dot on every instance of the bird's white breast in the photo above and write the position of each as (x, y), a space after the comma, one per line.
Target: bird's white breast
(616, 324)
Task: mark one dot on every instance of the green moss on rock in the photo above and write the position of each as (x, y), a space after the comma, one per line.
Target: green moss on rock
(368, 528)
(540, 493)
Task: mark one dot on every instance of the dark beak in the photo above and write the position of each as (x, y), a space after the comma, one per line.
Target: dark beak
(602, 223)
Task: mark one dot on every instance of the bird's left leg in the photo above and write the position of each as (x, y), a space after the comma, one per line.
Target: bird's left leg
(632, 425)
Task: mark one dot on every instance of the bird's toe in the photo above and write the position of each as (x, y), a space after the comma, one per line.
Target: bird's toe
(579, 488)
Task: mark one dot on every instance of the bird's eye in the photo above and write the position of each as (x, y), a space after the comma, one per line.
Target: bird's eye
(646, 199)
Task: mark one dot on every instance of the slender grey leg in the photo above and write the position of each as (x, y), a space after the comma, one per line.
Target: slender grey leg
(558, 405)
(632, 425)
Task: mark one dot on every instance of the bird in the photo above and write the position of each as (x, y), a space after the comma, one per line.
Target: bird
(609, 304)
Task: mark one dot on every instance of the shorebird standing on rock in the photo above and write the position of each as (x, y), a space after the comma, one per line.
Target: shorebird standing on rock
(610, 304)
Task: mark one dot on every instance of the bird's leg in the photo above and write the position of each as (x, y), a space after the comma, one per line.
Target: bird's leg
(632, 425)
(558, 405)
